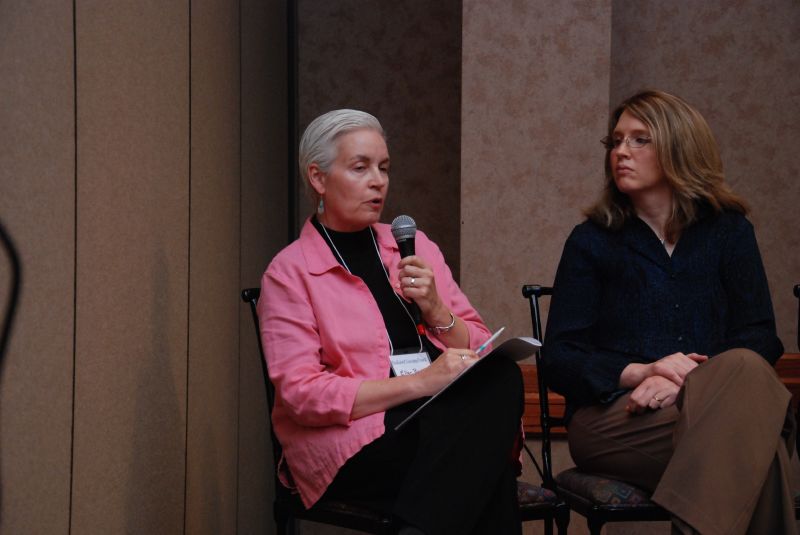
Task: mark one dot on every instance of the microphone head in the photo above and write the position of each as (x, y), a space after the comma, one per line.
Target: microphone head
(403, 228)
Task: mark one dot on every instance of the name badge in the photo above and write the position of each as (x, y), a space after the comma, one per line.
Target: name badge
(409, 363)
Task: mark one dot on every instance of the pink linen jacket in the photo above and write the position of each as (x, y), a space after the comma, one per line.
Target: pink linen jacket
(323, 334)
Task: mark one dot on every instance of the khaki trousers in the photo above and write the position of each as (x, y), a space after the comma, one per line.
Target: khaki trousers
(718, 460)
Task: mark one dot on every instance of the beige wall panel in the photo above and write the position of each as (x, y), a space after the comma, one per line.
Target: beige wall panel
(214, 270)
(264, 232)
(37, 206)
(133, 212)
(401, 62)
(535, 98)
(738, 63)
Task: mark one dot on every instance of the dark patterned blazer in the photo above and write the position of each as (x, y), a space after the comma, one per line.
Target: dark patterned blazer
(619, 298)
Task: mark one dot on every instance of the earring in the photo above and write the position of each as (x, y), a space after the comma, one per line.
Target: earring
(321, 206)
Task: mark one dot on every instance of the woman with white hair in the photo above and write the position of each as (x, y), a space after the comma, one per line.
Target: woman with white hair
(344, 350)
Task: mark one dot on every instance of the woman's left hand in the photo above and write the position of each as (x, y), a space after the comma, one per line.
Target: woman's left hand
(655, 392)
(417, 283)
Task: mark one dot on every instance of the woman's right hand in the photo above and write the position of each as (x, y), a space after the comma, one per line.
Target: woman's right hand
(375, 395)
(677, 366)
(674, 367)
(442, 370)
(655, 392)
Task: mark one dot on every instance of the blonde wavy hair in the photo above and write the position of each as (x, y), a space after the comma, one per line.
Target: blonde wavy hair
(687, 154)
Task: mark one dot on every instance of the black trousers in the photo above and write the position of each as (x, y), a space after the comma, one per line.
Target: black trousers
(450, 471)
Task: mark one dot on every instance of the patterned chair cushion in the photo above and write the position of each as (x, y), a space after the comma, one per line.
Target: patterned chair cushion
(603, 491)
(528, 494)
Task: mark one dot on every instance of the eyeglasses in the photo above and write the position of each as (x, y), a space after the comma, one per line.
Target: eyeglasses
(636, 142)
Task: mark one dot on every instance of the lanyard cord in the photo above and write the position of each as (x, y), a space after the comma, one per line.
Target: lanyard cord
(386, 273)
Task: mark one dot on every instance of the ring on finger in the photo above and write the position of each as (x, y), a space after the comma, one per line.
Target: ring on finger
(413, 280)
(658, 399)
(464, 357)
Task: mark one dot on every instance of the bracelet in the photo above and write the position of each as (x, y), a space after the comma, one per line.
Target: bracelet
(436, 329)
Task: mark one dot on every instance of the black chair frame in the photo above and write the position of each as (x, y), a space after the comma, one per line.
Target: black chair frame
(557, 511)
(288, 508)
(797, 413)
(596, 514)
(797, 295)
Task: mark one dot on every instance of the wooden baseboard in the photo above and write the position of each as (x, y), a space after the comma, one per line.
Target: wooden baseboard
(788, 368)
(531, 416)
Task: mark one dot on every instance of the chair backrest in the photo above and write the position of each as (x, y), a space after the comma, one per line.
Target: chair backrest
(532, 292)
(797, 295)
(250, 296)
(287, 505)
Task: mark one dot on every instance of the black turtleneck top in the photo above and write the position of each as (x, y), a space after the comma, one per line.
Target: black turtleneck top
(358, 252)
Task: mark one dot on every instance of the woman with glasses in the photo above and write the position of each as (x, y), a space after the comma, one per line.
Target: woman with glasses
(661, 333)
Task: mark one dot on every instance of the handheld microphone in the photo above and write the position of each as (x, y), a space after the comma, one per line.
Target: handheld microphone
(404, 229)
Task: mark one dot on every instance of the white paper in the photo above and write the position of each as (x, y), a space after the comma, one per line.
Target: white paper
(516, 349)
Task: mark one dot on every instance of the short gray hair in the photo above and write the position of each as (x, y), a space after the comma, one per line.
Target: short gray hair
(318, 144)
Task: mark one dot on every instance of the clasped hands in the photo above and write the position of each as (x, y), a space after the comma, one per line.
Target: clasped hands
(656, 385)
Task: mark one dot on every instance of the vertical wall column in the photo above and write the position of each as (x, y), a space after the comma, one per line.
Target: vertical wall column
(133, 187)
(144, 181)
(37, 207)
(264, 223)
(738, 65)
(400, 61)
(214, 266)
(535, 99)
